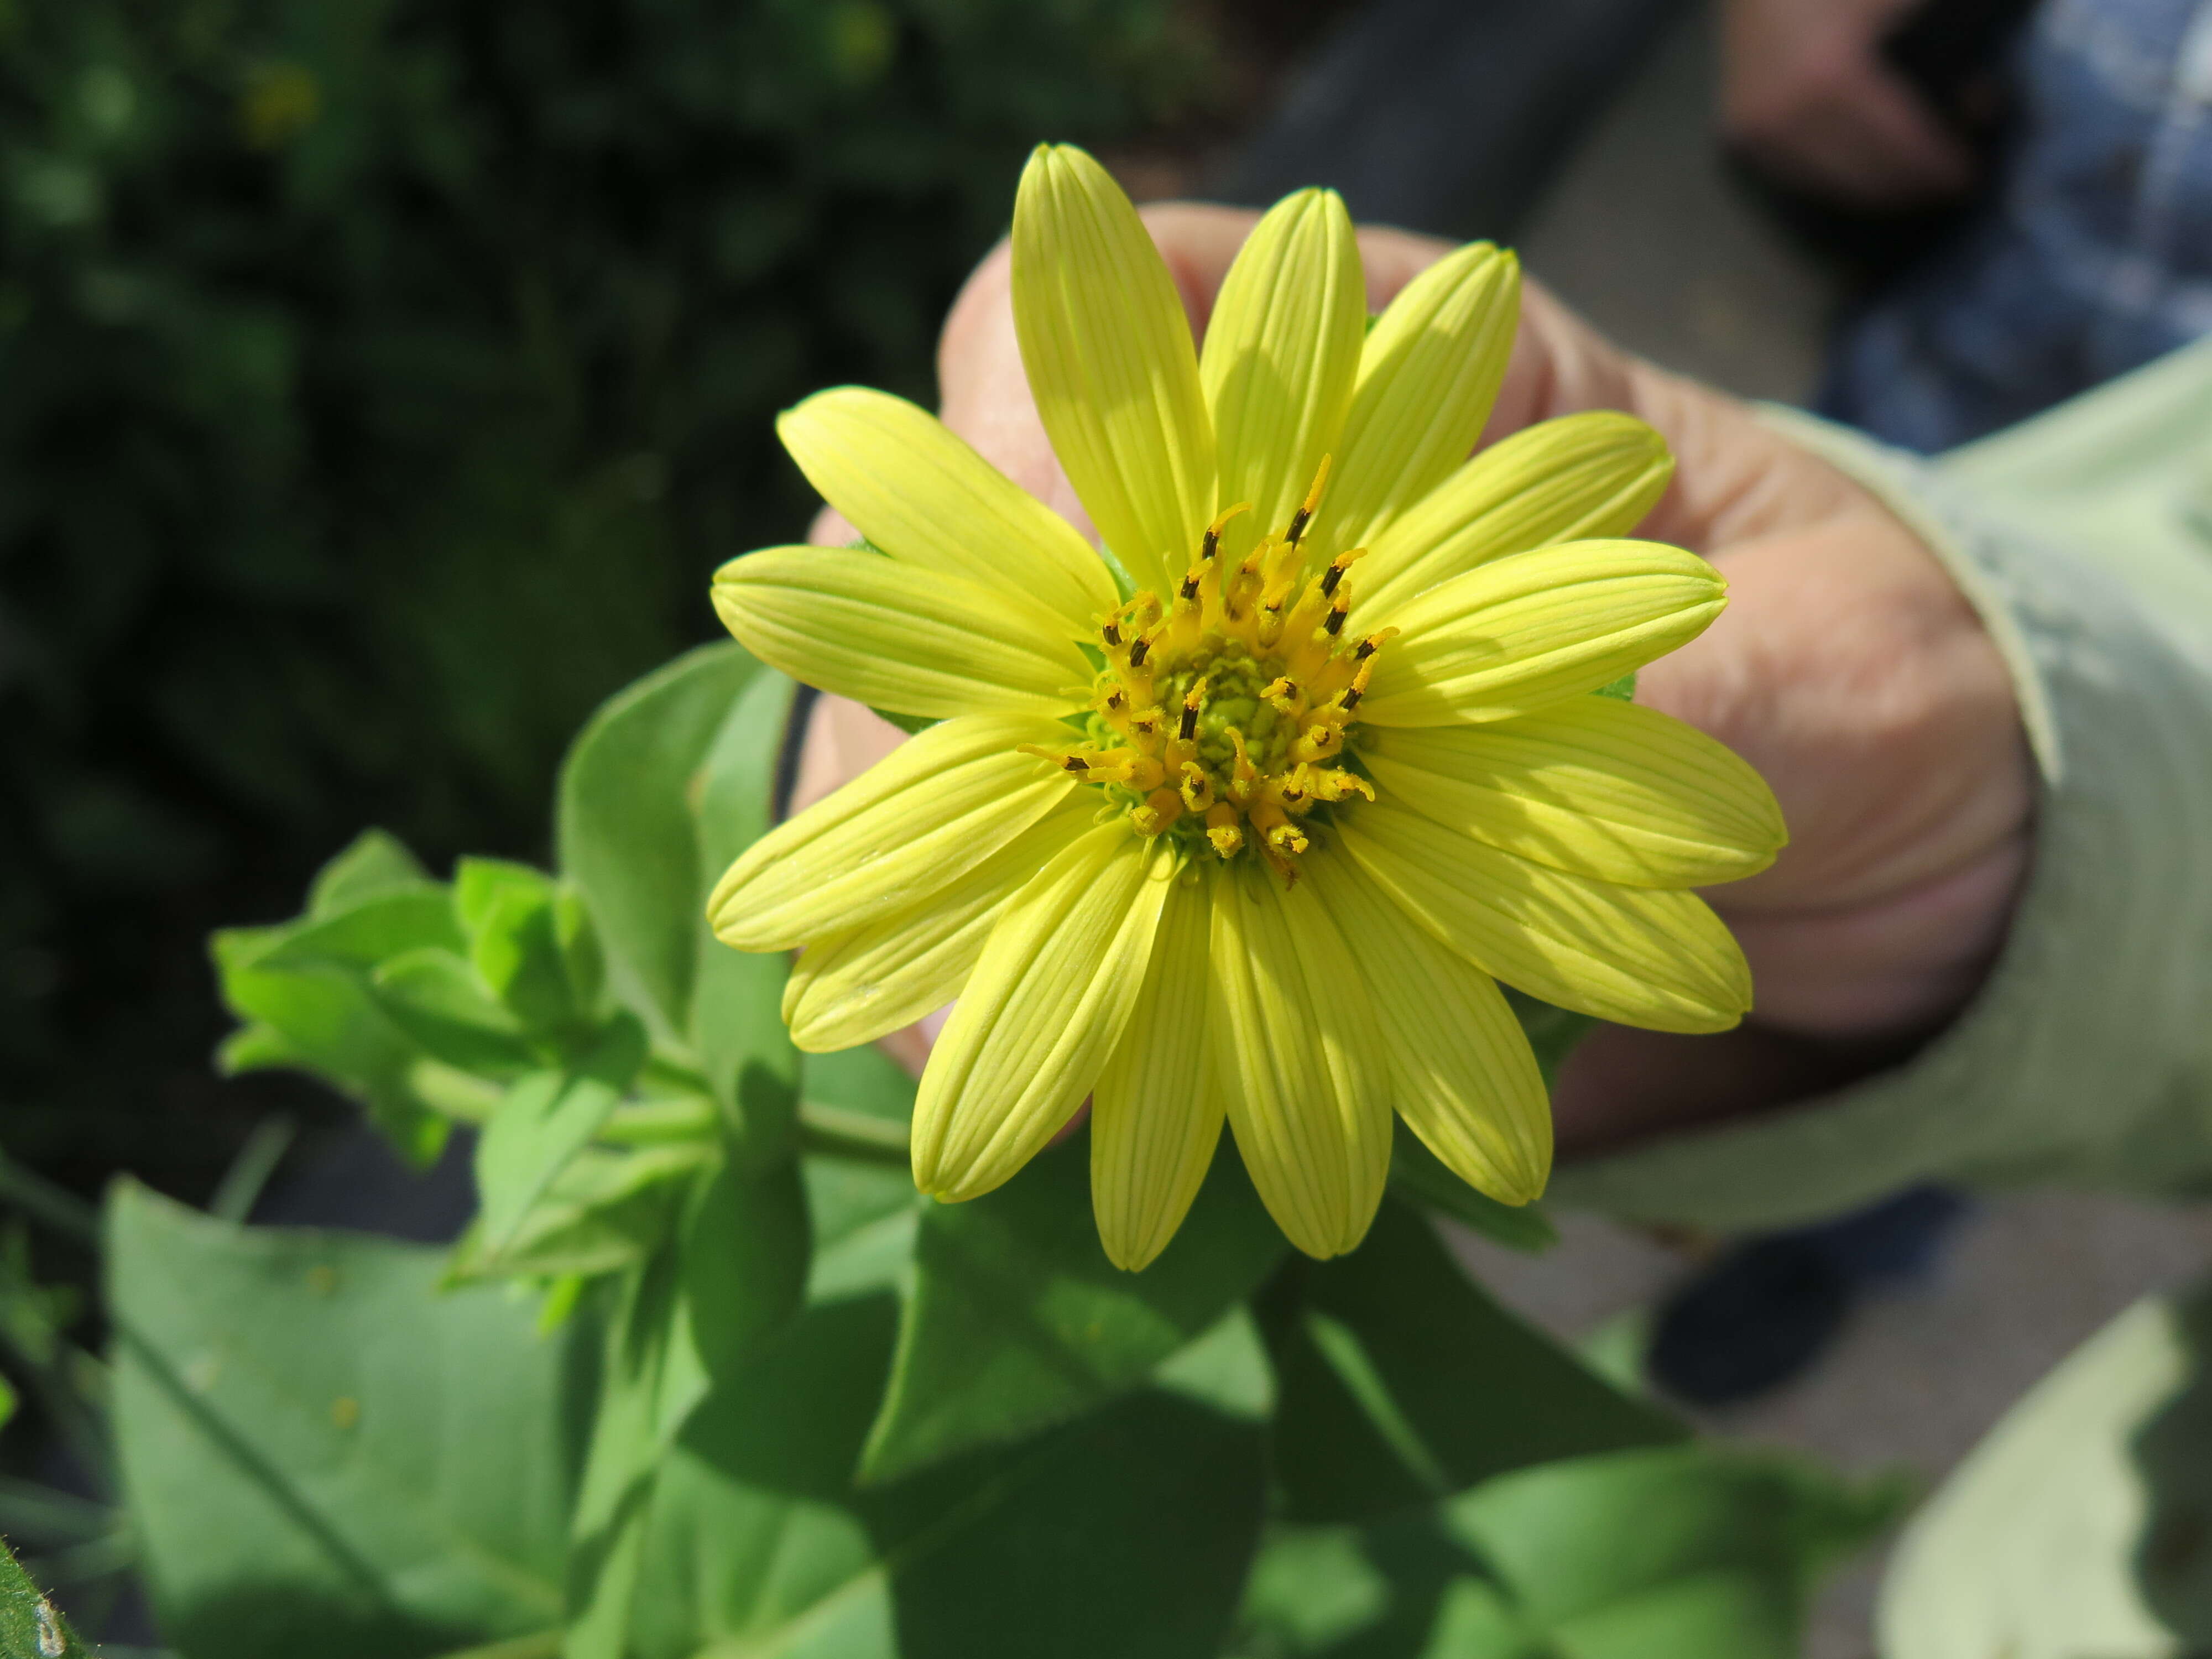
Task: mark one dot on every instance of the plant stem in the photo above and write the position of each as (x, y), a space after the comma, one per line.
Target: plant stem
(665, 1118)
(538, 1645)
(58, 1208)
(838, 1133)
(250, 1170)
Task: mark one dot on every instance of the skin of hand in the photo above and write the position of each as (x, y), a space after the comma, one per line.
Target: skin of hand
(1847, 668)
(1805, 92)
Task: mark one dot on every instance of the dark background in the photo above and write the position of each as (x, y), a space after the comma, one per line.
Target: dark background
(380, 381)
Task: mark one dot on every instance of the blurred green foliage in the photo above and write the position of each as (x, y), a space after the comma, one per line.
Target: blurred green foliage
(379, 381)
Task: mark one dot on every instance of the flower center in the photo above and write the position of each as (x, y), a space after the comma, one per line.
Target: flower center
(1220, 717)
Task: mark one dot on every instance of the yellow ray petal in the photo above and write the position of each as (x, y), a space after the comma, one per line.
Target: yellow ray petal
(936, 806)
(1429, 374)
(1299, 1060)
(1591, 786)
(923, 496)
(1109, 354)
(861, 985)
(1592, 474)
(1155, 1114)
(1460, 1071)
(1661, 960)
(1281, 354)
(1521, 633)
(1046, 1006)
(884, 633)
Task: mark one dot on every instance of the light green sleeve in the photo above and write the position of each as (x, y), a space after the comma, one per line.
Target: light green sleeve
(2084, 538)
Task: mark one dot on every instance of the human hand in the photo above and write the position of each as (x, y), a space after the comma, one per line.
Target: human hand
(1847, 668)
(1805, 94)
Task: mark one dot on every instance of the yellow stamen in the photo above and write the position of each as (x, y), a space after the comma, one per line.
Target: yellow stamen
(1258, 644)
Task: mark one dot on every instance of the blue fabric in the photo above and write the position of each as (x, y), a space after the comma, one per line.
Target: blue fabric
(2094, 256)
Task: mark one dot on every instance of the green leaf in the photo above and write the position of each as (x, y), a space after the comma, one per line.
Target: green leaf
(865, 1080)
(1417, 1174)
(1015, 1318)
(734, 1273)
(1685, 1552)
(1401, 1380)
(1700, 1552)
(547, 1118)
(376, 861)
(2079, 1524)
(437, 998)
(1124, 1534)
(31, 1626)
(737, 1025)
(320, 1016)
(605, 1213)
(626, 833)
(864, 1210)
(523, 945)
(910, 724)
(380, 927)
(1620, 690)
(321, 1453)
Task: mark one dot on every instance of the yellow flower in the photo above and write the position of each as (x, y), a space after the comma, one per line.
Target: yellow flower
(1256, 839)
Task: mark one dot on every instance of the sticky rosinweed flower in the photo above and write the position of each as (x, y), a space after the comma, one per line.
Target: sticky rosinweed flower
(1254, 832)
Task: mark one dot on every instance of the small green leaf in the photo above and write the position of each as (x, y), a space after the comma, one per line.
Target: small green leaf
(1016, 1319)
(376, 860)
(605, 1213)
(908, 724)
(322, 1454)
(382, 925)
(626, 833)
(438, 1001)
(515, 945)
(1620, 690)
(31, 1626)
(547, 1118)
(320, 1016)
(481, 885)
(1401, 1380)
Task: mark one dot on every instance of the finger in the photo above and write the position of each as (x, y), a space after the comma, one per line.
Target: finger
(1734, 478)
(1868, 140)
(1901, 964)
(1925, 161)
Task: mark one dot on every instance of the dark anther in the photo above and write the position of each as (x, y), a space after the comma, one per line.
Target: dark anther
(1367, 647)
(1350, 699)
(1299, 521)
(1189, 727)
(1329, 579)
(1117, 698)
(1112, 632)
(1209, 544)
(1334, 623)
(1076, 763)
(1190, 585)
(1137, 653)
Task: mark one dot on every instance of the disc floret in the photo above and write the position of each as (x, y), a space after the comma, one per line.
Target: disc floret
(1220, 716)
